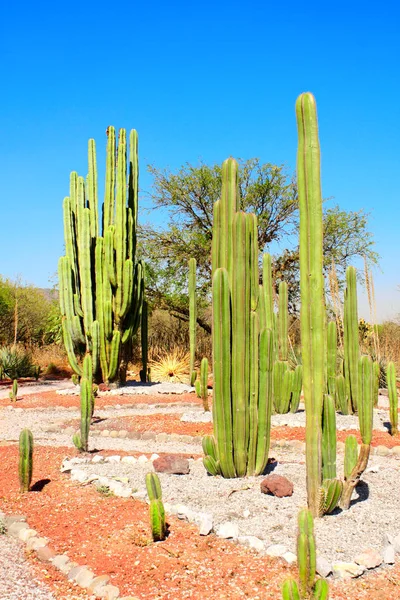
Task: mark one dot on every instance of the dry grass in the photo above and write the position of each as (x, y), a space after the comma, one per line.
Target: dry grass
(52, 359)
(170, 366)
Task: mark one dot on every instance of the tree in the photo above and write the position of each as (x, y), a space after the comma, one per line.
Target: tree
(188, 197)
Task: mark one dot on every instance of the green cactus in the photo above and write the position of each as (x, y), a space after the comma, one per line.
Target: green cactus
(25, 467)
(144, 332)
(393, 399)
(321, 590)
(280, 387)
(241, 372)
(328, 438)
(350, 338)
(377, 374)
(14, 391)
(101, 287)
(312, 312)
(296, 389)
(331, 358)
(192, 318)
(365, 387)
(330, 495)
(340, 395)
(153, 486)
(87, 404)
(306, 552)
(283, 321)
(290, 590)
(203, 383)
(157, 520)
(350, 455)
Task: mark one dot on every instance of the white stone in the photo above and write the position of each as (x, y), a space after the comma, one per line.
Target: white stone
(129, 460)
(290, 558)
(324, 567)
(103, 482)
(66, 465)
(154, 457)
(97, 459)
(142, 459)
(369, 558)
(206, 524)
(113, 459)
(251, 541)
(228, 530)
(60, 562)
(34, 543)
(84, 578)
(25, 534)
(347, 570)
(389, 555)
(109, 592)
(79, 475)
(276, 550)
(396, 543)
(246, 513)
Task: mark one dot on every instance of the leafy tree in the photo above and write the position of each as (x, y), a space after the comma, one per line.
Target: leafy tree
(187, 197)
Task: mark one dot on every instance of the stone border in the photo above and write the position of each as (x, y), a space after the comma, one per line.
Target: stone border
(17, 527)
(368, 560)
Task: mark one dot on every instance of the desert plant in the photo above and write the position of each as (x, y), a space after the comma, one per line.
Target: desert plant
(153, 486)
(351, 339)
(393, 399)
(350, 455)
(192, 319)
(101, 287)
(204, 383)
(16, 362)
(14, 391)
(144, 334)
(157, 512)
(170, 366)
(81, 438)
(242, 353)
(25, 468)
(308, 586)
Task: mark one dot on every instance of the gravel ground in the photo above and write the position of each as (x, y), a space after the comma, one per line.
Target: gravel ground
(37, 388)
(374, 512)
(16, 579)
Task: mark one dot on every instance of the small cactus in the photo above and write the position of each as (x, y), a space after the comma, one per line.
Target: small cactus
(25, 459)
(14, 391)
(157, 520)
(393, 399)
(153, 486)
(204, 383)
(290, 590)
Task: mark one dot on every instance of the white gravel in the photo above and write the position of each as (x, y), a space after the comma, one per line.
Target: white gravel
(16, 578)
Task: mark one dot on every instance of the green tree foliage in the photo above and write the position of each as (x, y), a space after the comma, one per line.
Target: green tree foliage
(187, 198)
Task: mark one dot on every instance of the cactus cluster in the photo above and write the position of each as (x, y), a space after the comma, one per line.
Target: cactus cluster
(25, 467)
(308, 586)
(101, 286)
(157, 512)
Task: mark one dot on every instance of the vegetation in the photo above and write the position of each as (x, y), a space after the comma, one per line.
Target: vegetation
(25, 468)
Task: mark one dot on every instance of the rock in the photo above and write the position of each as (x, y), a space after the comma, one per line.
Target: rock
(382, 451)
(186, 439)
(161, 437)
(277, 485)
(290, 558)
(113, 459)
(389, 555)
(196, 417)
(206, 524)
(14, 519)
(396, 450)
(78, 475)
(98, 582)
(74, 572)
(69, 431)
(228, 530)
(373, 469)
(109, 592)
(25, 534)
(97, 459)
(396, 543)
(154, 457)
(45, 554)
(369, 558)
(114, 433)
(246, 513)
(66, 465)
(149, 435)
(129, 460)
(84, 578)
(60, 561)
(34, 543)
(14, 529)
(142, 460)
(345, 570)
(134, 435)
(171, 464)
(276, 550)
(105, 433)
(323, 567)
(251, 541)
(123, 433)
(120, 490)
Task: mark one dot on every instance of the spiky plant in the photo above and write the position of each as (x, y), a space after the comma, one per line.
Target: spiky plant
(171, 366)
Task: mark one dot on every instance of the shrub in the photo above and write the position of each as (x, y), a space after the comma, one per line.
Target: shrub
(16, 362)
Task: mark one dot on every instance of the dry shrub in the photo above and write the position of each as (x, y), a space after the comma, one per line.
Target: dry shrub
(52, 359)
(389, 339)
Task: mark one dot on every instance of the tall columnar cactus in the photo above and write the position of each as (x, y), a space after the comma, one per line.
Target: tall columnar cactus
(365, 386)
(81, 438)
(101, 286)
(241, 350)
(312, 312)
(25, 467)
(144, 333)
(283, 321)
(203, 383)
(192, 318)
(351, 339)
(393, 399)
(331, 357)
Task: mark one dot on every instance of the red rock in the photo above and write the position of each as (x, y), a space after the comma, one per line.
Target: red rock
(171, 464)
(45, 554)
(277, 485)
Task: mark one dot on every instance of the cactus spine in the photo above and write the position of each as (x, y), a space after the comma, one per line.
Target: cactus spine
(351, 341)
(241, 414)
(393, 399)
(14, 391)
(192, 318)
(101, 287)
(25, 467)
(87, 402)
(312, 315)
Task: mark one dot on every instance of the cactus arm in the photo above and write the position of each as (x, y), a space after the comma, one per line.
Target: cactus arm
(350, 338)
(328, 438)
(127, 288)
(296, 388)
(144, 333)
(283, 321)
(332, 357)
(204, 383)
(153, 486)
(215, 245)
(69, 348)
(340, 395)
(157, 520)
(92, 189)
(192, 318)
(321, 590)
(264, 400)
(393, 399)
(114, 355)
(109, 200)
(290, 590)
(311, 288)
(350, 455)
(253, 400)
(25, 466)
(222, 371)
(85, 271)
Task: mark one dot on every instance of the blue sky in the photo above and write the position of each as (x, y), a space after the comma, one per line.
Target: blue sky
(198, 81)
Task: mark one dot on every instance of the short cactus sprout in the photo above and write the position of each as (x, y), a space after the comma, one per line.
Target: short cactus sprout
(25, 459)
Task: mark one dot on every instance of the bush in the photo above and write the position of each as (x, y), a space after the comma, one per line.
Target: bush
(15, 362)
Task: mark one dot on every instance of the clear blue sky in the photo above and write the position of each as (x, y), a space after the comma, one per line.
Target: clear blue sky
(198, 81)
